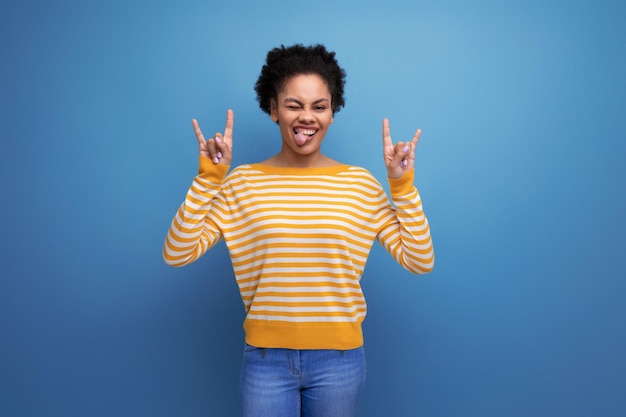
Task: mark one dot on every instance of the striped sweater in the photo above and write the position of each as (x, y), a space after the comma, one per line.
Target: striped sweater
(299, 239)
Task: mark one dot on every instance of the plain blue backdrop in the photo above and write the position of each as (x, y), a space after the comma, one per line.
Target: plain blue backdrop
(520, 166)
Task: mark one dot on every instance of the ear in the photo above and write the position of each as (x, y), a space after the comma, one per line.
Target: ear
(273, 110)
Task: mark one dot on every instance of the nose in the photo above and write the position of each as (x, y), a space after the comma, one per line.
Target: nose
(306, 115)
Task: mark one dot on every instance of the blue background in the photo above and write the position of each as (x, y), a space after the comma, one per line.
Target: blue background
(521, 169)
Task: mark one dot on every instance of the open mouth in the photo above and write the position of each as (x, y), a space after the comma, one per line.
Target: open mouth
(303, 135)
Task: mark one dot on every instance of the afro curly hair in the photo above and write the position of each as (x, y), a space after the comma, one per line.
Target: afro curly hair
(284, 63)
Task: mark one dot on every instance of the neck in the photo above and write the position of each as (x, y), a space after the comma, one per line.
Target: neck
(289, 160)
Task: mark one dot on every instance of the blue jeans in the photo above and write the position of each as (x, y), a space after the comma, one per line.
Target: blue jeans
(301, 383)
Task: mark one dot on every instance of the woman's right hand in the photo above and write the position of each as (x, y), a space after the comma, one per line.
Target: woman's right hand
(219, 148)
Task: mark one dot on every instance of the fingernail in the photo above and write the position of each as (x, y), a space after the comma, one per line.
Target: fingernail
(405, 162)
(216, 160)
(217, 139)
(406, 148)
(219, 155)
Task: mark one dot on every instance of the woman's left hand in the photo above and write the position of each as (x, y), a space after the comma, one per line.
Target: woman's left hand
(399, 158)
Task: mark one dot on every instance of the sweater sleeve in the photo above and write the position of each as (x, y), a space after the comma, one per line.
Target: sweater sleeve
(192, 231)
(406, 233)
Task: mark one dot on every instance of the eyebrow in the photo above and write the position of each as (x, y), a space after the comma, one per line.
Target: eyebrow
(294, 100)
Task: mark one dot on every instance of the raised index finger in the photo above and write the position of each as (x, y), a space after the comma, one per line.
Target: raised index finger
(230, 124)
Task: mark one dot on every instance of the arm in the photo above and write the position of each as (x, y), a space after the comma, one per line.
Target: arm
(193, 231)
(406, 233)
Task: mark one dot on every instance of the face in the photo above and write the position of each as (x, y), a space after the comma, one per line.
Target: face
(304, 113)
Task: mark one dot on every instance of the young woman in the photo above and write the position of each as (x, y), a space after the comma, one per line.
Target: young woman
(299, 227)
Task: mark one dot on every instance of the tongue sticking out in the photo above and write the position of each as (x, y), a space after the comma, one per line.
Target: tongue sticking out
(301, 138)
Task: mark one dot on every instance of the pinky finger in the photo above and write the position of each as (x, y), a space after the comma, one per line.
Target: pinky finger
(197, 131)
(416, 137)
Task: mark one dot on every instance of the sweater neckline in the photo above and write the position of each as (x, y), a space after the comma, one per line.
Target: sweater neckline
(330, 170)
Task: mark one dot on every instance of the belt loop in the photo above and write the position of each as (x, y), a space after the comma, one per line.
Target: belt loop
(262, 352)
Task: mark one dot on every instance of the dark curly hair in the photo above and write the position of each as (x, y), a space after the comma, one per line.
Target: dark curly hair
(284, 63)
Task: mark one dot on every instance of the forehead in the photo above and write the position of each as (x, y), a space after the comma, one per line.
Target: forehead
(305, 86)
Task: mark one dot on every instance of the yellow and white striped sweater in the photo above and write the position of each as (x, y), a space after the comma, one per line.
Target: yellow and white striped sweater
(299, 239)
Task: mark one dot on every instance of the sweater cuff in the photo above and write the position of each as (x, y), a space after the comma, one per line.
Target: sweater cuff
(403, 185)
(211, 171)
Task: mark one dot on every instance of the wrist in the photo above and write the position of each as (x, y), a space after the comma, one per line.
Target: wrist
(210, 170)
(403, 184)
